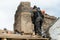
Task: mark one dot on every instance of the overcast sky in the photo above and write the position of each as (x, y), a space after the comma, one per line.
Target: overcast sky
(8, 8)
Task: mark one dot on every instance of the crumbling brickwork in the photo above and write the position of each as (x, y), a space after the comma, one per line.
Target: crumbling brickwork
(23, 21)
(48, 20)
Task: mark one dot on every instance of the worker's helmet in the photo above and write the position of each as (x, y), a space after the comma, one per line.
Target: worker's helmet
(34, 7)
(5, 29)
(38, 8)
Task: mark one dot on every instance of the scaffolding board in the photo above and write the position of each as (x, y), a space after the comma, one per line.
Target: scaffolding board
(20, 37)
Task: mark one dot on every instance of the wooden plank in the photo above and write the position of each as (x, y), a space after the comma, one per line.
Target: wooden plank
(18, 36)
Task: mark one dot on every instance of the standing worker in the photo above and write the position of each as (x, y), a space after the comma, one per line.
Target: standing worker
(37, 20)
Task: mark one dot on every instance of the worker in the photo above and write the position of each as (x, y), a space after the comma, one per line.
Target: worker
(6, 31)
(37, 20)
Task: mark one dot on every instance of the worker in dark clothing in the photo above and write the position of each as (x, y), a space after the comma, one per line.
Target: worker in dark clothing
(37, 20)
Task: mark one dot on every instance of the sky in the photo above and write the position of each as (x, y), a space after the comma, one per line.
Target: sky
(9, 7)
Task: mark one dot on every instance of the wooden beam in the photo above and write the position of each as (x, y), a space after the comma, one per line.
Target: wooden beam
(18, 36)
